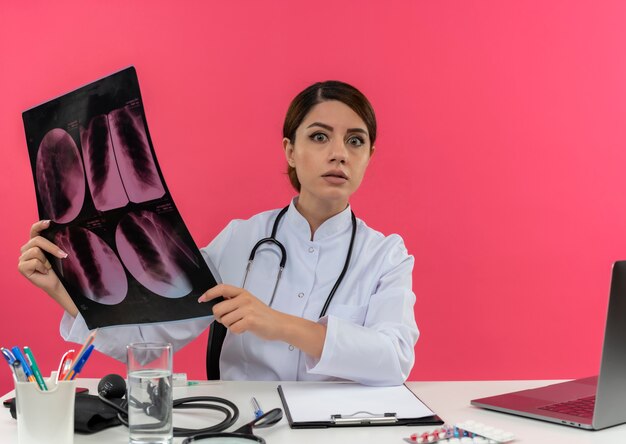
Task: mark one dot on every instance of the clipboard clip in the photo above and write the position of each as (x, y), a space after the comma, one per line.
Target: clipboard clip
(364, 418)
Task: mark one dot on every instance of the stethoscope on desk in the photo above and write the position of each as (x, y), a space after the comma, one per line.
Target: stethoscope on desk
(283, 258)
(112, 388)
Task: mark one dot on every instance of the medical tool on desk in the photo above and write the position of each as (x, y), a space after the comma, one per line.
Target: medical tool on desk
(468, 432)
(283, 259)
(112, 388)
(243, 434)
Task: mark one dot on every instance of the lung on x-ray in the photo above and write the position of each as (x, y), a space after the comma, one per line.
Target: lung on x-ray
(131, 259)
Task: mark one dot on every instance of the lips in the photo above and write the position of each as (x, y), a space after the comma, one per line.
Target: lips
(336, 173)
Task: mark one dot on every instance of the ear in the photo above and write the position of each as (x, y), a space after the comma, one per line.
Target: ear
(372, 151)
(288, 147)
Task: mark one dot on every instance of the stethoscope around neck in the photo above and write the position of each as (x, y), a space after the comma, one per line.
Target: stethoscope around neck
(283, 259)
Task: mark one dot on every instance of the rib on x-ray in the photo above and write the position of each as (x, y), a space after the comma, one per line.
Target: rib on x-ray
(103, 176)
(164, 270)
(92, 266)
(134, 157)
(60, 178)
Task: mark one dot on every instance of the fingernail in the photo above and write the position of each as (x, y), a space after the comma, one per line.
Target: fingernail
(200, 299)
(45, 222)
(62, 254)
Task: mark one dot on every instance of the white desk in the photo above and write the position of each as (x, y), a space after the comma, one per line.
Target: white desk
(448, 399)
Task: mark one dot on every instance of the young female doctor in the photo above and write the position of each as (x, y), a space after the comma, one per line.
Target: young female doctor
(342, 308)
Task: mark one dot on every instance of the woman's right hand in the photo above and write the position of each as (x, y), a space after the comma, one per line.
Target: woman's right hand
(34, 265)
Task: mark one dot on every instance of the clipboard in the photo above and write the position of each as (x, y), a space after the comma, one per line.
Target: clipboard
(347, 404)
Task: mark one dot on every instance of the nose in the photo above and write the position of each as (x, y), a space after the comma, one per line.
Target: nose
(338, 151)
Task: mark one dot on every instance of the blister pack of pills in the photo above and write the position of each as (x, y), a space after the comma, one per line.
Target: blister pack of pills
(468, 432)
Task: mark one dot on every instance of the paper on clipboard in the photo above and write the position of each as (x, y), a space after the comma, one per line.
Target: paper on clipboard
(318, 402)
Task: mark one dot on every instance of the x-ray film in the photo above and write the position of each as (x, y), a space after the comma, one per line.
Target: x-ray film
(131, 259)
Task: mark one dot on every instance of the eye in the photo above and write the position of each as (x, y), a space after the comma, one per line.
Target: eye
(356, 141)
(318, 137)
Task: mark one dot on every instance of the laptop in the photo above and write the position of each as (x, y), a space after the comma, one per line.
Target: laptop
(590, 403)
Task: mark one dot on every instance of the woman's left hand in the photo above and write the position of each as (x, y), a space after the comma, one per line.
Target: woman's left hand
(241, 311)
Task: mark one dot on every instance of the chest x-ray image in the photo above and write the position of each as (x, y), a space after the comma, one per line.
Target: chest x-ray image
(130, 258)
(119, 164)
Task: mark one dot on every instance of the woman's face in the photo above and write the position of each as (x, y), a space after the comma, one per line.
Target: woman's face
(330, 154)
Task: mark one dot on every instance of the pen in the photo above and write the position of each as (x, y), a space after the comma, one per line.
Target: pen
(81, 363)
(257, 408)
(35, 368)
(18, 371)
(20, 357)
(8, 356)
(87, 344)
(65, 365)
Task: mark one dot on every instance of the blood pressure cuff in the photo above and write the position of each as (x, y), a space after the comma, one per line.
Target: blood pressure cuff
(90, 414)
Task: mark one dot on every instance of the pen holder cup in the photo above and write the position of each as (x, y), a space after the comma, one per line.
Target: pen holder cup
(45, 416)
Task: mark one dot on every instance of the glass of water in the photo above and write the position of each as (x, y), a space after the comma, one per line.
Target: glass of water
(149, 366)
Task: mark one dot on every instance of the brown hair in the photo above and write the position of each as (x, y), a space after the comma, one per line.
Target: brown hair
(322, 92)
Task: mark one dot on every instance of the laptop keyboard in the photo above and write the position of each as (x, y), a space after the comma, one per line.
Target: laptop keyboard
(582, 407)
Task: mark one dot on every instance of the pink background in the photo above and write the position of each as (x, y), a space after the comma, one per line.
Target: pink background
(500, 161)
